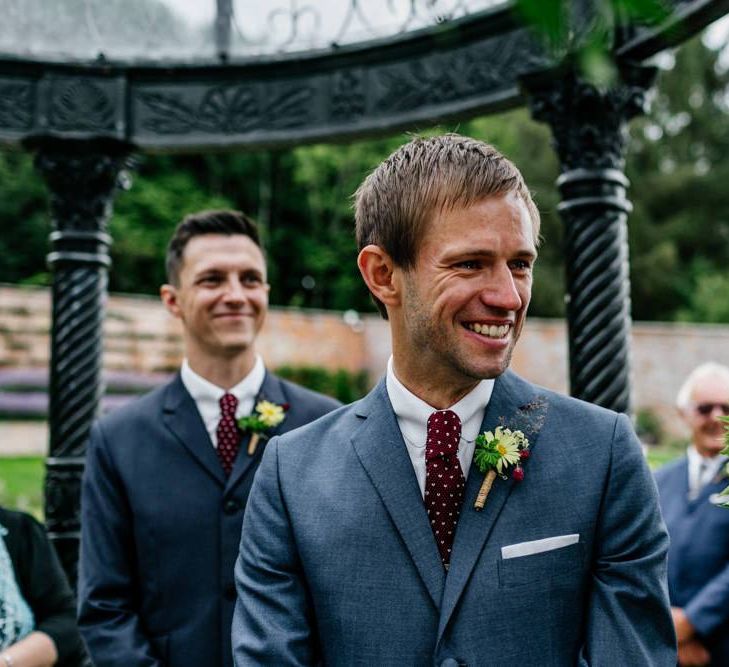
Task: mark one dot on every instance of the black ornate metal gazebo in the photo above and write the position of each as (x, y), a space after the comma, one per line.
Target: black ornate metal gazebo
(86, 84)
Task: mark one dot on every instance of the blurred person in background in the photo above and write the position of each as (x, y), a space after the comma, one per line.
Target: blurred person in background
(698, 558)
(167, 476)
(37, 610)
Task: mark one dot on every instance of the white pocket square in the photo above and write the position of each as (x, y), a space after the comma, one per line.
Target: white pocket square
(538, 546)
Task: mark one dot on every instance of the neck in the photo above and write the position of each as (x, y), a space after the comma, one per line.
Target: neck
(224, 373)
(439, 393)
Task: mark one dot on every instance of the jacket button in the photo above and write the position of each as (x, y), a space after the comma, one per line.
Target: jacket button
(230, 592)
(231, 506)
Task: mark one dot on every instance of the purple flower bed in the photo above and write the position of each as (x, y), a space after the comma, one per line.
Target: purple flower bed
(117, 382)
(23, 391)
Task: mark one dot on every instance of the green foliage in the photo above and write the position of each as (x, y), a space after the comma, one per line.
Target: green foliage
(486, 457)
(340, 384)
(21, 484)
(23, 221)
(648, 426)
(678, 232)
(144, 219)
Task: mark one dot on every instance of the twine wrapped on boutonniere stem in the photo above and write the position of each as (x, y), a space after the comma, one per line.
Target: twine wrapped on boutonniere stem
(499, 452)
(267, 415)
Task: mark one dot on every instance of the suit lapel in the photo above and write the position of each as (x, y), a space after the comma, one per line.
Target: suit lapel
(513, 402)
(382, 452)
(182, 418)
(271, 390)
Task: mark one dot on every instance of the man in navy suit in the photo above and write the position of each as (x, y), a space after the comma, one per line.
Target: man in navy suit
(689, 488)
(361, 543)
(167, 477)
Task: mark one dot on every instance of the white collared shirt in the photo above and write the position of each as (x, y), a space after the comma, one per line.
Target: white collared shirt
(412, 417)
(207, 395)
(701, 469)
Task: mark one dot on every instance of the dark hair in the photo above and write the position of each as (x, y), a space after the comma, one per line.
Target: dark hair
(397, 201)
(205, 222)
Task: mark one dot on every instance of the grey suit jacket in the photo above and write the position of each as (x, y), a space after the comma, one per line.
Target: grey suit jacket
(161, 528)
(338, 564)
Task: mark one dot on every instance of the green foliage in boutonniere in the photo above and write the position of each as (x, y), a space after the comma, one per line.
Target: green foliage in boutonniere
(267, 415)
(725, 452)
(498, 452)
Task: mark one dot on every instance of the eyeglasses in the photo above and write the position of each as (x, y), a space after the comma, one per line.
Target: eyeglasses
(706, 409)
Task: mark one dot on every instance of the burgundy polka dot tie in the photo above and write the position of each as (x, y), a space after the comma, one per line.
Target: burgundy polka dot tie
(227, 432)
(444, 481)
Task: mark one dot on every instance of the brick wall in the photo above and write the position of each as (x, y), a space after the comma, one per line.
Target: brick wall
(140, 336)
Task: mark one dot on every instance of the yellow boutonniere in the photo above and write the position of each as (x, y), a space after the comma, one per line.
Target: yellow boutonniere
(267, 415)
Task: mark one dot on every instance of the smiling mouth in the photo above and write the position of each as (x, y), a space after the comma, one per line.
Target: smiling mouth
(489, 330)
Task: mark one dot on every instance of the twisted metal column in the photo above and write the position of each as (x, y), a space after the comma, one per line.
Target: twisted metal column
(589, 130)
(81, 181)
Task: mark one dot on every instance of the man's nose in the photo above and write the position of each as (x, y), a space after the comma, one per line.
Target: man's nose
(234, 290)
(501, 291)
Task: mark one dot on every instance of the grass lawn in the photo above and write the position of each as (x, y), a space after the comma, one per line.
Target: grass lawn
(21, 483)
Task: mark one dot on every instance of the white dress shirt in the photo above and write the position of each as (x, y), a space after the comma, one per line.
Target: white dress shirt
(207, 395)
(412, 417)
(701, 469)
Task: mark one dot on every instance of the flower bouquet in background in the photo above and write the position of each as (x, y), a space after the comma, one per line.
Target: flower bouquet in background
(725, 452)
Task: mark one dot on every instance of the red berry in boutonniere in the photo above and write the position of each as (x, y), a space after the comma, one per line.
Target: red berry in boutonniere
(518, 474)
(524, 454)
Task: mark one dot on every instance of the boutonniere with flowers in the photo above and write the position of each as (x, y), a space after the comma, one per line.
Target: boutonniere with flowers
(501, 452)
(267, 415)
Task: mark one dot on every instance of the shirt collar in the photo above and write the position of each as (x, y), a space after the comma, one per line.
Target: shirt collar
(207, 395)
(412, 412)
(695, 460)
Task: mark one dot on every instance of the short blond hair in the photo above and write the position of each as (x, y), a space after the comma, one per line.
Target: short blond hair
(397, 201)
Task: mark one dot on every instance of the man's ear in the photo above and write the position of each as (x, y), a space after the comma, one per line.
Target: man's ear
(168, 294)
(379, 273)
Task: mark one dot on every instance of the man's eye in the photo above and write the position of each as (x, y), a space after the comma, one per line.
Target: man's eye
(521, 265)
(251, 280)
(209, 280)
(470, 264)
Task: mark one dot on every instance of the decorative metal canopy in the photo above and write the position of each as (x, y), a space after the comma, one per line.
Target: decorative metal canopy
(85, 82)
(159, 76)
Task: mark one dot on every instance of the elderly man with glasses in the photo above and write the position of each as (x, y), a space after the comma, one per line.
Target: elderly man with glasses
(698, 559)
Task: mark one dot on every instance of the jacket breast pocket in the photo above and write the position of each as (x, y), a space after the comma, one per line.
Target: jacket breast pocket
(543, 569)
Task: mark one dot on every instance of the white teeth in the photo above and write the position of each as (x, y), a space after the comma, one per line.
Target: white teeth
(492, 331)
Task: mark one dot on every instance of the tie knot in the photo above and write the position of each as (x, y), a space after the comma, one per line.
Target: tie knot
(228, 405)
(444, 433)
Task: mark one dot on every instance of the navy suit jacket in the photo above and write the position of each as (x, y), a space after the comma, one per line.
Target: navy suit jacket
(698, 560)
(338, 564)
(161, 527)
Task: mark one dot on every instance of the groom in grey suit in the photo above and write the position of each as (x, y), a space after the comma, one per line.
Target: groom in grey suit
(361, 544)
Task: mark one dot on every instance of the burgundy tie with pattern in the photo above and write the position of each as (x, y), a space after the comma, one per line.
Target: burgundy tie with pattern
(227, 432)
(444, 481)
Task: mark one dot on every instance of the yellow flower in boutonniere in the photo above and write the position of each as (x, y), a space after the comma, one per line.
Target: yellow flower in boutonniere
(495, 453)
(270, 413)
(267, 415)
